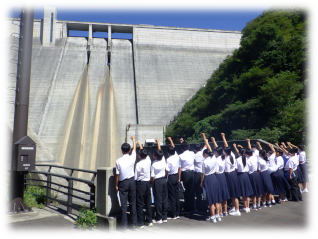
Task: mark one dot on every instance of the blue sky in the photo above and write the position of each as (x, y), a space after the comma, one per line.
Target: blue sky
(223, 15)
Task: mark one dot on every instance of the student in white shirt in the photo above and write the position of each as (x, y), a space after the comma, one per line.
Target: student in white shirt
(231, 178)
(254, 176)
(125, 182)
(142, 177)
(290, 174)
(159, 185)
(279, 182)
(210, 183)
(266, 178)
(186, 175)
(302, 166)
(244, 180)
(198, 161)
(172, 166)
(224, 191)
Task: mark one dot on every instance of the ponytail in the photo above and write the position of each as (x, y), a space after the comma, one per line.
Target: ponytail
(263, 153)
(228, 152)
(242, 152)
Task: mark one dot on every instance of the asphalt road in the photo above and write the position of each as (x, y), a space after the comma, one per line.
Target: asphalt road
(290, 219)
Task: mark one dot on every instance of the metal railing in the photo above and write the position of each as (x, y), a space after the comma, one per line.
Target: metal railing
(70, 179)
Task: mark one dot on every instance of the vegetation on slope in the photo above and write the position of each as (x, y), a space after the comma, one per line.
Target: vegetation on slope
(259, 91)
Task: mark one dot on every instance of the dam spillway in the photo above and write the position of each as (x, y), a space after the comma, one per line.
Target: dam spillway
(85, 90)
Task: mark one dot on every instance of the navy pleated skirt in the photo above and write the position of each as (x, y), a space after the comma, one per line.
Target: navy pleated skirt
(233, 184)
(256, 183)
(224, 191)
(245, 184)
(280, 183)
(300, 175)
(211, 185)
(304, 171)
(267, 181)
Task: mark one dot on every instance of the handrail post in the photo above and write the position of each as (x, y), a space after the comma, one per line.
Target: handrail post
(48, 190)
(69, 197)
(92, 197)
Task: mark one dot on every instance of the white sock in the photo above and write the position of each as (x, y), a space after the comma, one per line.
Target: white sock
(258, 205)
(254, 205)
(217, 215)
(269, 202)
(273, 201)
(212, 217)
(237, 210)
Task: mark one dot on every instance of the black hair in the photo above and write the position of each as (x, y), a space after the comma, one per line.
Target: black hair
(263, 153)
(219, 150)
(171, 150)
(197, 147)
(249, 152)
(208, 152)
(228, 151)
(185, 146)
(279, 151)
(143, 153)
(158, 153)
(301, 147)
(292, 151)
(254, 145)
(242, 152)
(125, 147)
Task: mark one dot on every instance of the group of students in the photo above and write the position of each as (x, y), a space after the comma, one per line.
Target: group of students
(213, 178)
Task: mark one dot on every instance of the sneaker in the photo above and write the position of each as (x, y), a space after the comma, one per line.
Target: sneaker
(213, 220)
(164, 220)
(159, 221)
(273, 202)
(285, 200)
(140, 227)
(249, 210)
(254, 208)
(225, 214)
(232, 209)
(305, 190)
(218, 218)
(235, 213)
(149, 224)
(279, 201)
(177, 217)
(208, 219)
(264, 205)
(221, 214)
(134, 228)
(268, 204)
(171, 218)
(244, 210)
(259, 207)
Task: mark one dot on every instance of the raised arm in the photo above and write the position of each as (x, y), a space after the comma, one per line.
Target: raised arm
(259, 145)
(158, 143)
(215, 144)
(207, 144)
(139, 144)
(234, 145)
(171, 142)
(248, 143)
(272, 148)
(224, 140)
(284, 145)
(291, 145)
(134, 143)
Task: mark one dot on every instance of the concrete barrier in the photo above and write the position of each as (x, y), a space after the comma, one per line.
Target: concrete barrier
(107, 209)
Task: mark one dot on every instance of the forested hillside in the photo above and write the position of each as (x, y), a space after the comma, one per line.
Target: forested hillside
(259, 91)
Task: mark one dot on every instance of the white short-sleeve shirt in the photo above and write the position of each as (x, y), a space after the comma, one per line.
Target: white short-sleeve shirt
(172, 164)
(158, 168)
(272, 167)
(186, 160)
(221, 164)
(252, 164)
(280, 162)
(210, 166)
(229, 167)
(291, 163)
(302, 157)
(262, 165)
(125, 166)
(142, 170)
(198, 160)
(240, 165)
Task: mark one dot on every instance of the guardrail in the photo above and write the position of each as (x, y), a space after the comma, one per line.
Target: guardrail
(70, 179)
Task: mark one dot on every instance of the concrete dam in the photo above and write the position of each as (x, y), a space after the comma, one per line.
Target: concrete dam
(86, 90)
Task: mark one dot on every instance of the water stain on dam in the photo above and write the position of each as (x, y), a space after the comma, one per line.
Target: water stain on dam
(88, 143)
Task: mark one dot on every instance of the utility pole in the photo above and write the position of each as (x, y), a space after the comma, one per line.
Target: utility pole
(20, 127)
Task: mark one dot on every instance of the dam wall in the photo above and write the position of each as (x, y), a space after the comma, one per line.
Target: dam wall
(85, 91)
